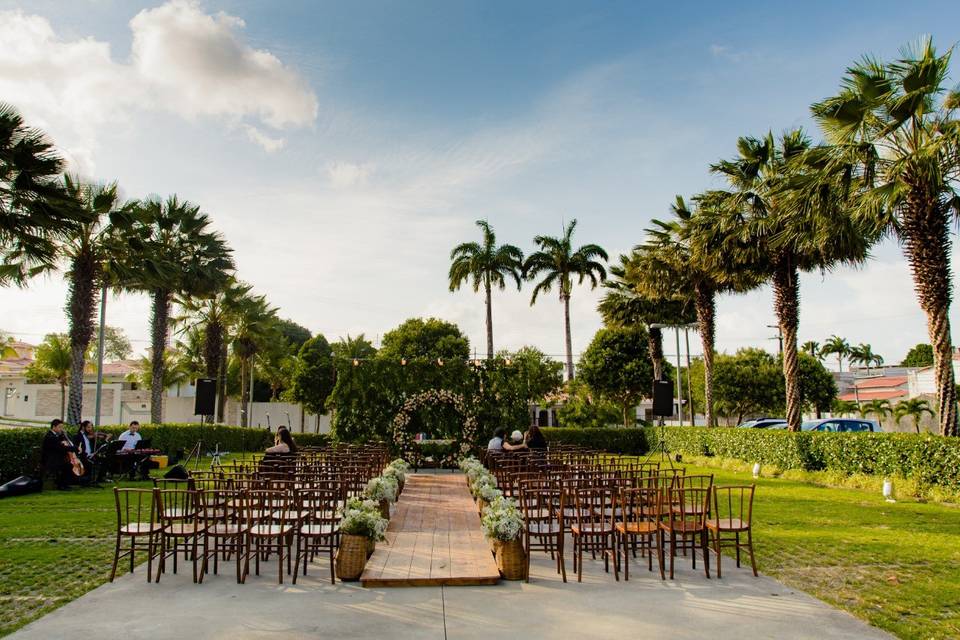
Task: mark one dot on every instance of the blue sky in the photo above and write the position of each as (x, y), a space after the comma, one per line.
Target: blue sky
(344, 148)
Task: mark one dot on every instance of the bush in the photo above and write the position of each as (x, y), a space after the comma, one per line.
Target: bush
(923, 458)
(614, 440)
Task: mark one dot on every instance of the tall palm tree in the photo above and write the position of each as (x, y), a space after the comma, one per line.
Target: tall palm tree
(176, 253)
(216, 315)
(94, 251)
(673, 263)
(879, 408)
(32, 217)
(557, 264)
(835, 345)
(894, 132)
(350, 348)
(623, 306)
(914, 408)
(863, 354)
(52, 361)
(489, 266)
(255, 327)
(845, 407)
(812, 347)
(786, 218)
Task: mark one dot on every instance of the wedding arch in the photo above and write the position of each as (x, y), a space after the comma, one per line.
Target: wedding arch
(402, 437)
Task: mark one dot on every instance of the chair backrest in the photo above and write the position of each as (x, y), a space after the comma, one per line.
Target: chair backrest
(268, 506)
(171, 483)
(595, 506)
(318, 506)
(177, 505)
(701, 481)
(134, 506)
(733, 502)
(220, 505)
(688, 506)
(640, 504)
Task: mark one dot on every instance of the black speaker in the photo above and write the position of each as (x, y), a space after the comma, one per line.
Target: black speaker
(177, 472)
(205, 403)
(662, 398)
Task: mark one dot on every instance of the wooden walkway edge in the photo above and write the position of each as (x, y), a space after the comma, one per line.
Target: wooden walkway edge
(434, 538)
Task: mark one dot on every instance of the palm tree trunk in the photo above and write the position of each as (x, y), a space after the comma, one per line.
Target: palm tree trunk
(489, 321)
(63, 399)
(706, 321)
(80, 306)
(158, 340)
(222, 382)
(566, 328)
(786, 302)
(655, 348)
(243, 392)
(926, 242)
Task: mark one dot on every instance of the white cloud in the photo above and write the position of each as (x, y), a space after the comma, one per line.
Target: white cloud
(347, 174)
(269, 144)
(183, 61)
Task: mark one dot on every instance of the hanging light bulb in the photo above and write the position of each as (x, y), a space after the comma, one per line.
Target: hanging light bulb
(440, 361)
(403, 362)
(476, 362)
(356, 362)
(508, 361)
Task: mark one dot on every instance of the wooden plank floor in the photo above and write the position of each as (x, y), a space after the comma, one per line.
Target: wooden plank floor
(434, 538)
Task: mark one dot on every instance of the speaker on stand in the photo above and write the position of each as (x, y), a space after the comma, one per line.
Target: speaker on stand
(662, 408)
(205, 406)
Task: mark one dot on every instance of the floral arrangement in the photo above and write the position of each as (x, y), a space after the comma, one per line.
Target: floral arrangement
(394, 473)
(502, 520)
(362, 518)
(400, 464)
(382, 488)
(488, 493)
(404, 439)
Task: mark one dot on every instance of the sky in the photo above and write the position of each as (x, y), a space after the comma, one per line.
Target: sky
(344, 149)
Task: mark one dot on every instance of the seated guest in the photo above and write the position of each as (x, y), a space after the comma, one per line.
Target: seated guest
(130, 437)
(534, 438)
(284, 442)
(496, 442)
(56, 446)
(516, 442)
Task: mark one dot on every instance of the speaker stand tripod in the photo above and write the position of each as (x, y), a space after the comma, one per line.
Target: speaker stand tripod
(661, 446)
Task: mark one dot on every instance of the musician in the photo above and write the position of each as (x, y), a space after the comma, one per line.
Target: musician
(86, 444)
(56, 447)
(131, 436)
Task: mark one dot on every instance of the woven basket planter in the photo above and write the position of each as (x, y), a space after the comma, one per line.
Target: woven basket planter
(371, 546)
(385, 509)
(400, 483)
(511, 559)
(351, 556)
(481, 504)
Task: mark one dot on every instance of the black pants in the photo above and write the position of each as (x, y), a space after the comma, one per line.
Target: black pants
(62, 474)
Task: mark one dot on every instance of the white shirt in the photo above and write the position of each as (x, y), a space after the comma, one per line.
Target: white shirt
(129, 439)
(495, 444)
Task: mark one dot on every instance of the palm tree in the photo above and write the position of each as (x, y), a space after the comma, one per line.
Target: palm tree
(863, 354)
(216, 315)
(176, 253)
(254, 329)
(785, 218)
(835, 345)
(557, 264)
(32, 216)
(915, 408)
(94, 250)
(879, 408)
(353, 348)
(52, 361)
(672, 263)
(812, 347)
(489, 265)
(845, 407)
(894, 133)
(623, 306)
(174, 373)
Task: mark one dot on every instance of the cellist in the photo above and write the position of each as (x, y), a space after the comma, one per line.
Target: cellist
(55, 455)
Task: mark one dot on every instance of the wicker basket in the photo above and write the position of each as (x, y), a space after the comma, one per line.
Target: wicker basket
(481, 504)
(385, 509)
(511, 559)
(351, 557)
(400, 482)
(371, 546)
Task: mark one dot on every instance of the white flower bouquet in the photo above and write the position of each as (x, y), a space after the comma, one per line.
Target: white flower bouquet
(396, 473)
(502, 520)
(400, 464)
(382, 488)
(488, 493)
(362, 518)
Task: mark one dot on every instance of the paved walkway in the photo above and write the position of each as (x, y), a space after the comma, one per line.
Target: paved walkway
(738, 606)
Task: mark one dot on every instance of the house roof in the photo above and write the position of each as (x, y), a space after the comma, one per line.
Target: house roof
(882, 382)
(120, 367)
(880, 394)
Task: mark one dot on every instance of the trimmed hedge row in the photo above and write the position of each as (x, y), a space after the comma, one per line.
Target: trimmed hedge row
(20, 448)
(924, 458)
(614, 440)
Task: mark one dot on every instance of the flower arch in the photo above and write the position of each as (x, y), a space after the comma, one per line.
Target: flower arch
(403, 439)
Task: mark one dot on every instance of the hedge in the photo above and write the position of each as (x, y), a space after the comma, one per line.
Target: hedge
(614, 440)
(20, 448)
(924, 458)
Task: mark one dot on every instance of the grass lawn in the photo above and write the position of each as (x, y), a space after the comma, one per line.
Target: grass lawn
(894, 565)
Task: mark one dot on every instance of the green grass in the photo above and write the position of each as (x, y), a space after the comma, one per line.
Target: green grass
(893, 565)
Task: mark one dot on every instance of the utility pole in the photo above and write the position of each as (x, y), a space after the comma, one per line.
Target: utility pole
(778, 338)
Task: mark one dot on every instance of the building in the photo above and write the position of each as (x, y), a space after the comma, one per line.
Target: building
(885, 387)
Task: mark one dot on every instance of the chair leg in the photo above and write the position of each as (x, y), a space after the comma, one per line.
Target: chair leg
(716, 549)
(281, 546)
(673, 547)
(237, 546)
(737, 538)
(563, 561)
(333, 578)
(753, 562)
(116, 558)
(660, 542)
(705, 550)
(151, 551)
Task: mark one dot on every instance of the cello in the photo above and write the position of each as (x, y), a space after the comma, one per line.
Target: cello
(75, 465)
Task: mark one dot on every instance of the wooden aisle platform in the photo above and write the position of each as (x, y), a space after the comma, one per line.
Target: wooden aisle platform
(434, 538)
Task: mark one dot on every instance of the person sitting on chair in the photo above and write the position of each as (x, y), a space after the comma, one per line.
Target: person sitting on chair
(516, 442)
(131, 436)
(496, 442)
(86, 444)
(56, 446)
(283, 443)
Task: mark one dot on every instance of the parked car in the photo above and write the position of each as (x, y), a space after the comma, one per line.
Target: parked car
(765, 423)
(841, 425)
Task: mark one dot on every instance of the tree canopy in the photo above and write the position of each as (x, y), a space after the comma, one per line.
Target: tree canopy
(617, 366)
(921, 355)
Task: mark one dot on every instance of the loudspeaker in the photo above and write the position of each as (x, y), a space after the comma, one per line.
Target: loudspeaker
(177, 472)
(205, 403)
(662, 398)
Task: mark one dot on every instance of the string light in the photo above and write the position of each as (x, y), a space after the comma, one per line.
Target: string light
(356, 362)
(440, 362)
(403, 362)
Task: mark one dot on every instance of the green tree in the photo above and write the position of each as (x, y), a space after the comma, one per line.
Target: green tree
(813, 348)
(314, 375)
(863, 354)
(894, 133)
(914, 408)
(116, 344)
(585, 410)
(818, 389)
(174, 251)
(33, 218)
(488, 265)
(52, 363)
(879, 408)
(556, 264)
(844, 407)
(920, 355)
(623, 306)
(784, 218)
(430, 340)
(350, 348)
(255, 329)
(294, 334)
(616, 365)
(835, 345)
(747, 383)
